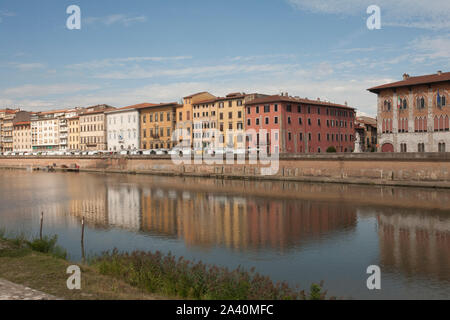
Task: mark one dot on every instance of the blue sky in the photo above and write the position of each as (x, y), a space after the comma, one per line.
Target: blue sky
(136, 51)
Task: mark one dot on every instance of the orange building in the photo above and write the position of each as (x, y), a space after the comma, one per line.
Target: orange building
(157, 124)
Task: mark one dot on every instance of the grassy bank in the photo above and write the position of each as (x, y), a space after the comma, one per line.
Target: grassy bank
(42, 265)
(23, 264)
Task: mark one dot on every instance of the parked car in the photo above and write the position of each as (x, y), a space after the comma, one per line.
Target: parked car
(149, 152)
(124, 152)
(93, 153)
(136, 152)
(162, 152)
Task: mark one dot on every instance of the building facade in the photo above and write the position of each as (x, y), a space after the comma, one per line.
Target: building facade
(93, 128)
(366, 134)
(157, 124)
(413, 114)
(22, 137)
(7, 130)
(123, 129)
(287, 124)
(74, 133)
(185, 117)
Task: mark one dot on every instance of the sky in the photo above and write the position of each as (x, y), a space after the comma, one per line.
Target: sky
(134, 51)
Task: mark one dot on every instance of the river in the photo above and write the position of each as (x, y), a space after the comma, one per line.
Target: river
(296, 232)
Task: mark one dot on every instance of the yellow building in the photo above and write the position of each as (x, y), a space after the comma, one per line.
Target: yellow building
(157, 124)
(185, 116)
(74, 133)
(226, 114)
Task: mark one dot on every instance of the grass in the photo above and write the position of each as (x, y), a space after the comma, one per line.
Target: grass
(41, 265)
(164, 274)
(46, 272)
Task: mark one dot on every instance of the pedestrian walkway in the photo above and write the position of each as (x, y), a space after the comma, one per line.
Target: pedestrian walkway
(12, 291)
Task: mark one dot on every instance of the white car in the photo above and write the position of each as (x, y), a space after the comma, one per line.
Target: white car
(136, 152)
(93, 153)
(123, 152)
(162, 152)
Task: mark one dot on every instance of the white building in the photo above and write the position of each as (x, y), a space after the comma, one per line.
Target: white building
(122, 127)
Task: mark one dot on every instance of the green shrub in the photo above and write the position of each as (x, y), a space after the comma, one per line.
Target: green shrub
(47, 245)
(164, 274)
(331, 150)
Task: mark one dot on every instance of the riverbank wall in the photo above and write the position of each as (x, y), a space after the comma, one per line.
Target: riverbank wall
(408, 169)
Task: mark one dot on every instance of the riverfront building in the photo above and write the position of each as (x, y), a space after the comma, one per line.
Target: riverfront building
(74, 133)
(7, 129)
(123, 129)
(157, 123)
(293, 125)
(184, 118)
(366, 134)
(93, 128)
(413, 114)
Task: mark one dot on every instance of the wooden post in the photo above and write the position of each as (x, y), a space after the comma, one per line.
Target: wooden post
(82, 230)
(42, 222)
(82, 239)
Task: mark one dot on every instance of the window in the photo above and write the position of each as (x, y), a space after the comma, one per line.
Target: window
(318, 122)
(289, 120)
(248, 110)
(249, 123)
(257, 109)
(276, 108)
(267, 120)
(441, 147)
(266, 108)
(288, 108)
(275, 120)
(300, 121)
(403, 147)
(421, 147)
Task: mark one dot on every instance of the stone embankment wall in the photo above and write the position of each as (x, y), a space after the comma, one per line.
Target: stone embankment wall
(426, 170)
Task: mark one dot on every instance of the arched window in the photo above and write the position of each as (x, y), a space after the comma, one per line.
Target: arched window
(446, 124)
(405, 104)
(436, 124)
(441, 123)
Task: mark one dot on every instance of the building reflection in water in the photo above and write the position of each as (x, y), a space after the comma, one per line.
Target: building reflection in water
(207, 220)
(415, 242)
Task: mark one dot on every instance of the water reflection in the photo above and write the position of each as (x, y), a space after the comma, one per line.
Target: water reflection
(415, 243)
(208, 219)
(290, 231)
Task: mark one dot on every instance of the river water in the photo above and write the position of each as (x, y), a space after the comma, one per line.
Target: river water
(296, 232)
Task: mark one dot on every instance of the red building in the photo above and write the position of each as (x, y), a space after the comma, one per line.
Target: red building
(304, 126)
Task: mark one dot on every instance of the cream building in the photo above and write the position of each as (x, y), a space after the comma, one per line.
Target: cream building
(123, 129)
(93, 128)
(22, 137)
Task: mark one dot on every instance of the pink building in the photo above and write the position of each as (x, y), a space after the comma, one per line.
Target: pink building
(304, 126)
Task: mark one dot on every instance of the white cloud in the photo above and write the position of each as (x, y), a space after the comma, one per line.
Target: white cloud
(28, 66)
(45, 90)
(205, 71)
(6, 13)
(123, 61)
(432, 14)
(109, 20)
(437, 47)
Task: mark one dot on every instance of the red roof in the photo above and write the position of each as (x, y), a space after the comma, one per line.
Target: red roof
(278, 98)
(413, 81)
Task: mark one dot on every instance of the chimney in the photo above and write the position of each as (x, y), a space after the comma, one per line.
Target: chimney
(439, 72)
(405, 76)
(318, 99)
